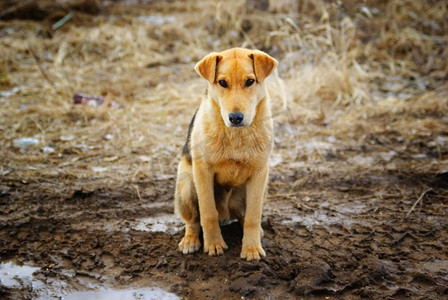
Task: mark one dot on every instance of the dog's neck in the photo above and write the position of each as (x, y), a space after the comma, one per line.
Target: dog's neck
(237, 143)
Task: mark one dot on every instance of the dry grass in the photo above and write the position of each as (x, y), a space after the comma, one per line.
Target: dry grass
(346, 71)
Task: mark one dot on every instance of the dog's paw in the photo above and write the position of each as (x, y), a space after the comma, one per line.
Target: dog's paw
(189, 244)
(252, 252)
(216, 247)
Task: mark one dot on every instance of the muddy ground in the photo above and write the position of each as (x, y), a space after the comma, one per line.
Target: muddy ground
(331, 237)
(357, 206)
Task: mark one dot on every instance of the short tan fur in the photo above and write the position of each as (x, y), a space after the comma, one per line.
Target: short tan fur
(223, 171)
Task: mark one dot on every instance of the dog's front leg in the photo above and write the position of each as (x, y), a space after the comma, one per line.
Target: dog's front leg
(255, 189)
(203, 179)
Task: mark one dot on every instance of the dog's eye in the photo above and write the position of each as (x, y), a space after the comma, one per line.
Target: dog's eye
(249, 82)
(223, 83)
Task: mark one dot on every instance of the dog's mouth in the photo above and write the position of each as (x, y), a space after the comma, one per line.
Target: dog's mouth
(236, 126)
(241, 125)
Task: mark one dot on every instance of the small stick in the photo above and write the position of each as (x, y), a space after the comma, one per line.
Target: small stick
(42, 71)
(62, 21)
(136, 171)
(416, 202)
(138, 194)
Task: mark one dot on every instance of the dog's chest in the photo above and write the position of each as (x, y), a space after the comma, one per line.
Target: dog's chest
(238, 146)
(235, 154)
(236, 164)
(232, 173)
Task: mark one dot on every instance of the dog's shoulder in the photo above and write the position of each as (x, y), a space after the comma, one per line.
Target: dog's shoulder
(186, 151)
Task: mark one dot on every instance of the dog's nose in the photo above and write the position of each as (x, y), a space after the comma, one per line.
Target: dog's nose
(236, 118)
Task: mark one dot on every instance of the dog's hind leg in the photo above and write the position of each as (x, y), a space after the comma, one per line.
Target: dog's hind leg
(222, 196)
(186, 203)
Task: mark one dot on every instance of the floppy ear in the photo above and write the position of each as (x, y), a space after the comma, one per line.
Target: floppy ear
(206, 67)
(264, 64)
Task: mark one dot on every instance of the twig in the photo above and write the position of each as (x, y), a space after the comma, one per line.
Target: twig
(138, 194)
(42, 71)
(136, 172)
(62, 21)
(416, 202)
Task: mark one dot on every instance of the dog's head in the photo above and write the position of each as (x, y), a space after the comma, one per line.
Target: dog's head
(236, 82)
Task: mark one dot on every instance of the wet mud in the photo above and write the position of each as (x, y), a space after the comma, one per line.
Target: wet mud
(338, 240)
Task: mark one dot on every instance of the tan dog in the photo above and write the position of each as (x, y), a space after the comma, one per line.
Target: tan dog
(223, 171)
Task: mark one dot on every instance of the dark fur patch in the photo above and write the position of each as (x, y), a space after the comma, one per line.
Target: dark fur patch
(187, 147)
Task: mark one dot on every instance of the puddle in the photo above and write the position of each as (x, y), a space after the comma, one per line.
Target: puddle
(130, 294)
(155, 205)
(319, 219)
(21, 277)
(349, 208)
(329, 215)
(164, 223)
(169, 223)
(13, 275)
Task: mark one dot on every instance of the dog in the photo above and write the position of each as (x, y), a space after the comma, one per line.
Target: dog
(223, 171)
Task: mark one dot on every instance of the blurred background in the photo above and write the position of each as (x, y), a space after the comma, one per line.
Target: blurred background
(95, 101)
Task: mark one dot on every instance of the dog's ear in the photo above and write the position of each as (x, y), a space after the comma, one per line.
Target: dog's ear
(264, 64)
(206, 67)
